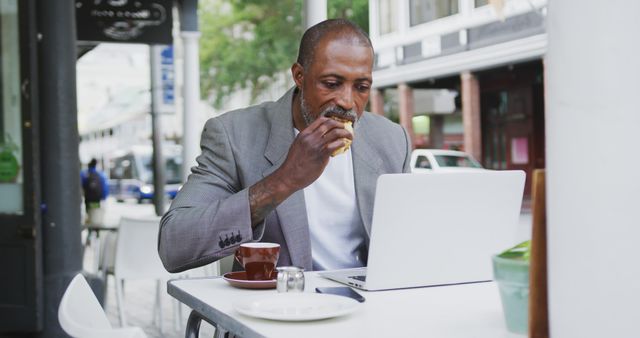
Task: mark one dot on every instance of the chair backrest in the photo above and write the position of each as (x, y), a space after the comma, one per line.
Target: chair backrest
(226, 264)
(108, 252)
(80, 312)
(137, 250)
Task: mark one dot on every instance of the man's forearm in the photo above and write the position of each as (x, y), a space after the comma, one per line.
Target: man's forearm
(266, 195)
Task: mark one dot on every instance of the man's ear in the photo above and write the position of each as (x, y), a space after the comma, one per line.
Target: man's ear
(297, 72)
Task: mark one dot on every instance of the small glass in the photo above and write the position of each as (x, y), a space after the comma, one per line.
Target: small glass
(290, 279)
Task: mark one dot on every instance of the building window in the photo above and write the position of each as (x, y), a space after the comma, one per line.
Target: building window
(428, 10)
(387, 15)
(480, 3)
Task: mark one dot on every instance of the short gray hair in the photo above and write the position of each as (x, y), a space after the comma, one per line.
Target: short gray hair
(344, 28)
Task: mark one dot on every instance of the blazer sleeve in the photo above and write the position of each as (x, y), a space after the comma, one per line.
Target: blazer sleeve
(210, 216)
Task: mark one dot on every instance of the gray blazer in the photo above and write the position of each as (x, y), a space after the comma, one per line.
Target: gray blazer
(210, 216)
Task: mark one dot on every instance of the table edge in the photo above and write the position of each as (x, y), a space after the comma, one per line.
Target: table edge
(225, 321)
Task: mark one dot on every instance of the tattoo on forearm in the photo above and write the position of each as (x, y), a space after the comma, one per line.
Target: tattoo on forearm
(262, 200)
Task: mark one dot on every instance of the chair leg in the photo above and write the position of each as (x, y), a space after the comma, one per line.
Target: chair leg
(177, 315)
(86, 240)
(123, 320)
(159, 304)
(154, 313)
(96, 253)
(105, 278)
(104, 275)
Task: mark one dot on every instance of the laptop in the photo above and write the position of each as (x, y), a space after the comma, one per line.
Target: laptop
(437, 229)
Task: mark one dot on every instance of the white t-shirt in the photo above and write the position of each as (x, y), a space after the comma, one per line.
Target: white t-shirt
(338, 238)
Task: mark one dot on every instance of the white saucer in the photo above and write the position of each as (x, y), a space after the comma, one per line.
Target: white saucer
(302, 306)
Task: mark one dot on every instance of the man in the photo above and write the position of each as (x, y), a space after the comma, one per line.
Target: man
(266, 172)
(95, 188)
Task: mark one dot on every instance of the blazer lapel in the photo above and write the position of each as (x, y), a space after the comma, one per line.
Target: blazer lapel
(281, 134)
(292, 212)
(366, 169)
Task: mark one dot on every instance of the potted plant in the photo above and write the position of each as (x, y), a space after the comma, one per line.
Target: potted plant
(511, 272)
(9, 165)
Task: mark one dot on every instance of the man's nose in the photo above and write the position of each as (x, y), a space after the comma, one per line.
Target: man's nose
(345, 98)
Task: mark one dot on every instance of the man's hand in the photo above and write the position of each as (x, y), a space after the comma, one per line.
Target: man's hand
(311, 150)
(308, 156)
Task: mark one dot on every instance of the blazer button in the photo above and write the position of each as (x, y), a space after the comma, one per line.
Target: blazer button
(238, 237)
(227, 242)
(221, 243)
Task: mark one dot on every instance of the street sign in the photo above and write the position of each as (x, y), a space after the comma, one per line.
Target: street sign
(164, 60)
(166, 71)
(135, 21)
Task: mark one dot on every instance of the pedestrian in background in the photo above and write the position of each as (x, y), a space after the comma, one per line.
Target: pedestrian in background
(96, 190)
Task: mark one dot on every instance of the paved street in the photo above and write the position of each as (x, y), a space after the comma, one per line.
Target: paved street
(139, 296)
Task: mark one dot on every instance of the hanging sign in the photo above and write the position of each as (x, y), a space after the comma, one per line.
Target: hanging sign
(135, 21)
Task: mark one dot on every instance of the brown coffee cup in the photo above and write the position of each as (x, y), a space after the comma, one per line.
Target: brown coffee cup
(258, 259)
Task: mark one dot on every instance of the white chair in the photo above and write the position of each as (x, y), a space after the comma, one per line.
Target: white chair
(137, 258)
(80, 314)
(226, 264)
(107, 259)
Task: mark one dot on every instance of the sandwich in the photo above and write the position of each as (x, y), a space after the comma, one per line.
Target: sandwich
(348, 125)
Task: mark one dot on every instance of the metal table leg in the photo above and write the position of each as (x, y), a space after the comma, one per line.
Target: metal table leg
(222, 333)
(193, 326)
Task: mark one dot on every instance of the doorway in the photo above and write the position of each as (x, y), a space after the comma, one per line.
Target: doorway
(512, 110)
(21, 303)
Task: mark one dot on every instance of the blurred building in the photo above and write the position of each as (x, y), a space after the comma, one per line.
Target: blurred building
(488, 53)
(114, 102)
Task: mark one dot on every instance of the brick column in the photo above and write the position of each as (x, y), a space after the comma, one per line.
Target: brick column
(405, 100)
(436, 131)
(471, 114)
(377, 101)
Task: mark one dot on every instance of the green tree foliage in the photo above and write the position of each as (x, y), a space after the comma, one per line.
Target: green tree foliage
(354, 10)
(246, 43)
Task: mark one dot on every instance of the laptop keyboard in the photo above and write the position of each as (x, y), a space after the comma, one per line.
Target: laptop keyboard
(361, 278)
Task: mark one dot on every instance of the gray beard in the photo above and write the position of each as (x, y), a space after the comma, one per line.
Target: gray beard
(308, 119)
(304, 111)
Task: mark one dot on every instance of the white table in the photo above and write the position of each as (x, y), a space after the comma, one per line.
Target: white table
(469, 310)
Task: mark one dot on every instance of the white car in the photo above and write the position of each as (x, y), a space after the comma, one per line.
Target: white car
(438, 160)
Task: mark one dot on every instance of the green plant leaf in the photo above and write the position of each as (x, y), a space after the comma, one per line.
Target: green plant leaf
(520, 251)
